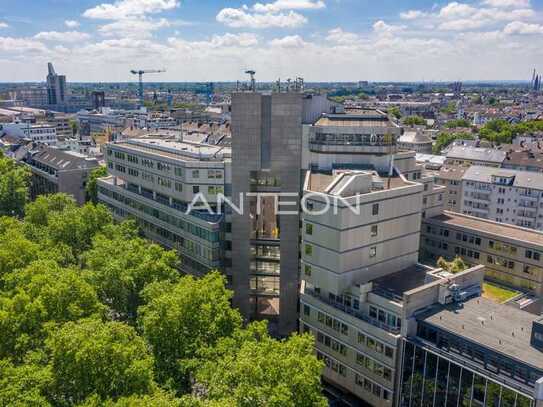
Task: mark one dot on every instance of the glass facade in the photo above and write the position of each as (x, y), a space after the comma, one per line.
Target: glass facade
(430, 380)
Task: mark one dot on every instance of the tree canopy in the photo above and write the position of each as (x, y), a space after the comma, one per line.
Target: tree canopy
(91, 188)
(457, 265)
(92, 314)
(14, 182)
(414, 121)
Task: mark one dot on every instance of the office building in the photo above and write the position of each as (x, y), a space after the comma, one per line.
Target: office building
(508, 196)
(56, 87)
(155, 180)
(364, 203)
(512, 256)
(266, 158)
(473, 353)
(38, 133)
(466, 156)
(55, 170)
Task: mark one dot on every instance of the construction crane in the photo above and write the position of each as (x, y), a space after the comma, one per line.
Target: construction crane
(140, 74)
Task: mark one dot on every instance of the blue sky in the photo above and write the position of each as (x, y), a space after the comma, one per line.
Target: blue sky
(321, 40)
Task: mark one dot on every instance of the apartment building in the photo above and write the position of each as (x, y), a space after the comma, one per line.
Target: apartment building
(55, 170)
(450, 176)
(512, 255)
(507, 196)
(155, 181)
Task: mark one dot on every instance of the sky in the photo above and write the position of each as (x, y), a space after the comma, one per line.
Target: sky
(319, 40)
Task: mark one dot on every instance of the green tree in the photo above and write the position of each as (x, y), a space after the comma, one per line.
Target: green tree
(455, 266)
(451, 124)
(179, 319)
(395, 112)
(57, 220)
(16, 250)
(74, 126)
(449, 109)
(106, 359)
(120, 265)
(14, 182)
(414, 121)
(156, 399)
(39, 295)
(24, 385)
(92, 186)
(37, 213)
(253, 369)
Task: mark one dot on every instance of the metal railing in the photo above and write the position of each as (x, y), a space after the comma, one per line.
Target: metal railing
(357, 314)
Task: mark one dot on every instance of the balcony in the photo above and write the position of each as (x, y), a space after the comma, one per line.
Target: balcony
(355, 313)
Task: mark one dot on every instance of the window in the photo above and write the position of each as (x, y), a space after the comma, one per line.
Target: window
(374, 230)
(307, 310)
(375, 209)
(308, 228)
(307, 269)
(308, 249)
(196, 189)
(178, 187)
(195, 173)
(373, 251)
(178, 171)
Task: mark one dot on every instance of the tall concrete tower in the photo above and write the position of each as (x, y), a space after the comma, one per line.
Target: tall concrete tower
(266, 159)
(56, 86)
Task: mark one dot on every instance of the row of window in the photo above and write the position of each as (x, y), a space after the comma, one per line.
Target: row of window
(492, 361)
(308, 250)
(212, 236)
(163, 166)
(331, 343)
(333, 323)
(372, 387)
(375, 345)
(373, 366)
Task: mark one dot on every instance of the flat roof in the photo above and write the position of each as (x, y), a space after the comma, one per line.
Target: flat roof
(522, 179)
(476, 154)
(404, 280)
(502, 328)
(320, 181)
(178, 149)
(485, 226)
(351, 121)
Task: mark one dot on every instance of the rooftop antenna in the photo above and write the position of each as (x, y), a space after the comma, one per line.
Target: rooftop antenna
(252, 73)
(288, 84)
(278, 84)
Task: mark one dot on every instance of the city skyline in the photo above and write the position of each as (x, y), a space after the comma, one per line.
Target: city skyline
(321, 40)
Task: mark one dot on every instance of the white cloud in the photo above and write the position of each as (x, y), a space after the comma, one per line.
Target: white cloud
(122, 9)
(280, 5)
(133, 28)
(412, 14)
(3, 25)
(21, 45)
(384, 28)
(457, 10)
(507, 3)
(241, 17)
(71, 23)
(233, 40)
(290, 41)
(341, 37)
(519, 27)
(68, 36)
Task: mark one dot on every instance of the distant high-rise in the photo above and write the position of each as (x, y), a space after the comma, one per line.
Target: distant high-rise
(56, 86)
